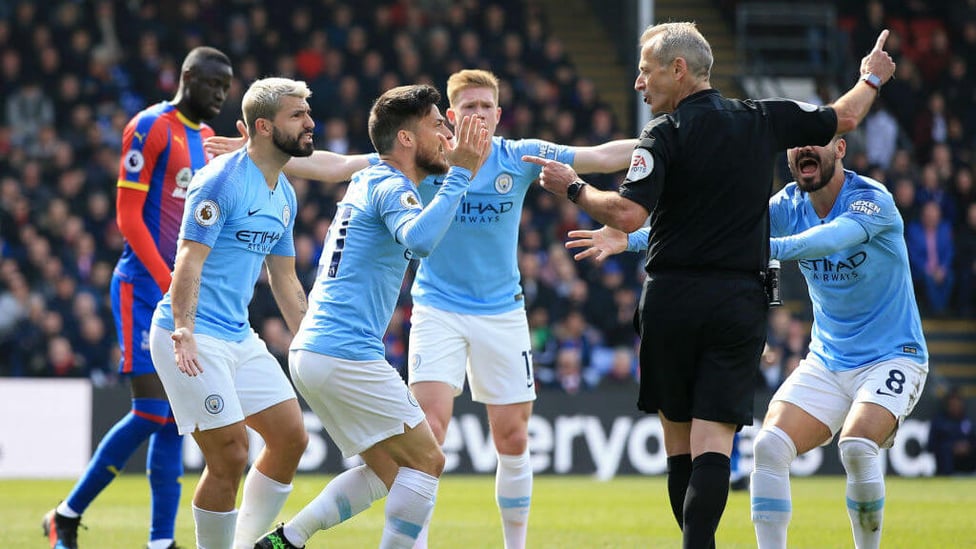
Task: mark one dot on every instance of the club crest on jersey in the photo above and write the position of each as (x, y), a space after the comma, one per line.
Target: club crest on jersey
(183, 178)
(409, 200)
(214, 404)
(503, 183)
(641, 164)
(286, 215)
(134, 161)
(206, 213)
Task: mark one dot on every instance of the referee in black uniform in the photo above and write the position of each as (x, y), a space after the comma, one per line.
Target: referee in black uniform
(703, 172)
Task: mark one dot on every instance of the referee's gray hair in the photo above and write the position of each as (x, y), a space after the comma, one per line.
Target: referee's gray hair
(263, 98)
(680, 39)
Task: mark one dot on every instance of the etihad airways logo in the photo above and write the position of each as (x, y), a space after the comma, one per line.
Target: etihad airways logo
(482, 212)
(827, 270)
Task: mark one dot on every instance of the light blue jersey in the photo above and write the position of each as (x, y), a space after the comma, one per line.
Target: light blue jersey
(856, 266)
(230, 208)
(474, 269)
(378, 227)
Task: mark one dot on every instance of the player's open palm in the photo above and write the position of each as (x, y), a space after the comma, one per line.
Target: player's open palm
(185, 348)
(471, 144)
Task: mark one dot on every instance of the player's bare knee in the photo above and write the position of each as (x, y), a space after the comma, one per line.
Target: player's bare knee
(512, 443)
(438, 428)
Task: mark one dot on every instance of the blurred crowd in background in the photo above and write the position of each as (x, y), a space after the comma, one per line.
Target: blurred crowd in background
(74, 72)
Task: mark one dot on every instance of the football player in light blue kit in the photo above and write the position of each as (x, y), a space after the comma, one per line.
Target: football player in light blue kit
(337, 359)
(218, 375)
(469, 316)
(868, 360)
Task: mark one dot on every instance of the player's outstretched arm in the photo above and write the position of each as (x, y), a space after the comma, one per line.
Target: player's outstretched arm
(325, 166)
(609, 157)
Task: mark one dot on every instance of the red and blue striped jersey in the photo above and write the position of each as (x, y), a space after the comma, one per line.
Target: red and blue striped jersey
(161, 150)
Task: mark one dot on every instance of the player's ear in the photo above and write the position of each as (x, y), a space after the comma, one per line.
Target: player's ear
(405, 137)
(841, 147)
(263, 126)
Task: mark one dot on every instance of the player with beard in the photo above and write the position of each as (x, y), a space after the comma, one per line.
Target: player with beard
(868, 360)
(337, 359)
(217, 372)
(162, 147)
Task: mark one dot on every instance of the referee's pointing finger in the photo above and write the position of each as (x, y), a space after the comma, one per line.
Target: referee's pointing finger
(535, 160)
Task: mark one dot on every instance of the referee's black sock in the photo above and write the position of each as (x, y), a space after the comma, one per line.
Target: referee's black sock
(679, 472)
(708, 491)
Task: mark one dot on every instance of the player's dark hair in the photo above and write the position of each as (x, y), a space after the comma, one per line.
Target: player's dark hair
(203, 54)
(397, 108)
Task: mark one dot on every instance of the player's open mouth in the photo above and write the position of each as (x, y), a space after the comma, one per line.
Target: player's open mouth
(808, 166)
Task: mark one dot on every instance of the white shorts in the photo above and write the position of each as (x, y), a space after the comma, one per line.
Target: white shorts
(360, 403)
(494, 350)
(895, 385)
(239, 379)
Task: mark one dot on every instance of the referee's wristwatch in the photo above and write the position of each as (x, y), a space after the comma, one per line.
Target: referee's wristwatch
(872, 80)
(573, 190)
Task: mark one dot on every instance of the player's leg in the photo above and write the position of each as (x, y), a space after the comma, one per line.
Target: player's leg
(271, 408)
(132, 307)
(217, 427)
(164, 465)
(414, 488)
(886, 394)
(501, 376)
(438, 357)
(323, 385)
(804, 413)
(225, 454)
(513, 477)
(787, 431)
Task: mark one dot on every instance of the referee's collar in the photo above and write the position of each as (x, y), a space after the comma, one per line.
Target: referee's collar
(696, 96)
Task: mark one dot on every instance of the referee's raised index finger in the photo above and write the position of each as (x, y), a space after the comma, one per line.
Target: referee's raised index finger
(879, 45)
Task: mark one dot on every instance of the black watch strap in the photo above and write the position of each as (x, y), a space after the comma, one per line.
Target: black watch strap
(573, 190)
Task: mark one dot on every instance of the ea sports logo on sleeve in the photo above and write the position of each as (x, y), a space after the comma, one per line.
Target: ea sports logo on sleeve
(641, 165)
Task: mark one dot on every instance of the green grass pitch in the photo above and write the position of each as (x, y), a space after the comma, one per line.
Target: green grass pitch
(568, 512)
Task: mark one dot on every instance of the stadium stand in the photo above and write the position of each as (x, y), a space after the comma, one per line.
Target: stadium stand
(74, 72)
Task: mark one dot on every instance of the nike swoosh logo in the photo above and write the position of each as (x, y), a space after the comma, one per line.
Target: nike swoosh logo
(252, 212)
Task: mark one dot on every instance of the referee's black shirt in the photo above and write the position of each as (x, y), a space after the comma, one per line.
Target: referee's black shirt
(705, 172)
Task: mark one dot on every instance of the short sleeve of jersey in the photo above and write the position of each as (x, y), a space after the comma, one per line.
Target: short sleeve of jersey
(649, 163)
(873, 209)
(142, 142)
(286, 245)
(396, 201)
(209, 203)
(796, 123)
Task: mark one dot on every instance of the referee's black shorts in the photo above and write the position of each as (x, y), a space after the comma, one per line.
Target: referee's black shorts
(702, 335)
